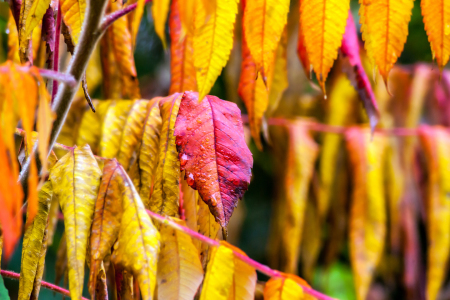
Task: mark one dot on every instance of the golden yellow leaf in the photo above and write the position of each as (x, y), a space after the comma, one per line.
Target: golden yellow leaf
(187, 10)
(278, 77)
(76, 180)
(40, 268)
(213, 40)
(385, 28)
(112, 127)
(264, 22)
(219, 274)
(179, 269)
(208, 227)
(301, 158)
(323, 25)
(166, 192)
(436, 144)
(149, 151)
(31, 17)
(160, 9)
(283, 289)
(73, 13)
(33, 243)
(13, 39)
(137, 247)
(137, 18)
(368, 214)
(190, 205)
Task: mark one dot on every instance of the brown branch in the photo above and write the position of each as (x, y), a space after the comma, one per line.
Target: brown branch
(55, 288)
(110, 18)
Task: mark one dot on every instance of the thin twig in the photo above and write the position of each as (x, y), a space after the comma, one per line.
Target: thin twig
(47, 285)
(110, 18)
(61, 77)
(86, 92)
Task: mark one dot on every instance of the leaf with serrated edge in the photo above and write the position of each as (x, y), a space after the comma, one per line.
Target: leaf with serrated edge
(179, 269)
(137, 247)
(76, 180)
(213, 153)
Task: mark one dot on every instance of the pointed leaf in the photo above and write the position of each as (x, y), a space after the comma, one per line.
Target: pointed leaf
(137, 18)
(323, 25)
(160, 8)
(179, 269)
(213, 40)
(73, 13)
(76, 180)
(213, 152)
(208, 227)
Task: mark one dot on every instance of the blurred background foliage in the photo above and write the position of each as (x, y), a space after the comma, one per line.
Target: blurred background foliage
(250, 224)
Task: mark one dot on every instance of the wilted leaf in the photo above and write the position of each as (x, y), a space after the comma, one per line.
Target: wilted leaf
(73, 13)
(179, 269)
(436, 144)
(384, 27)
(213, 152)
(368, 214)
(213, 40)
(76, 180)
(323, 26)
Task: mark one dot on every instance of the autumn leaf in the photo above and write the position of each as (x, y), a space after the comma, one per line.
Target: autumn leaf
(322, 45)
(189, 198)
(356, 73)
(160, 8)
(33, 243)
(187, 10)
(367, 215)
(384, 27)
(283, 289)
(278, 77)
(198, 129)
(213, 40)
(166, 191)
(208, 227)
(263, 25)
(137, 247)
(136, 19)
(73, 13)
(76, 180)
(302, 53)
(179, 269)
(182, 70)
(436, 144)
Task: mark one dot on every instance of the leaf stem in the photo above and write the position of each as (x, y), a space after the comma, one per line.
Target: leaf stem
(258, 266)
(47, 285)
(110, 18)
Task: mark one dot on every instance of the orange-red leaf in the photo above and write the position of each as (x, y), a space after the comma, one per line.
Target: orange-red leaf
(213, 153)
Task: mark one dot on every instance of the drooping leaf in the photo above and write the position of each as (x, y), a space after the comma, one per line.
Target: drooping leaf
(264, 22)
(208, 227)
(179, 269)
(160, 9)
(253, 90)
(209, 135)
(33, 243)
(302, 53)
(301, 157)
(278, 77)
(213, 40)
(31, 15)
(283, 289)
(76, 180)
(219, 275)
(106, 221)
(367, 215)
(136, 19)
(73, 13)
(436, 144)
(187, 11)
(166, 191)
(384, 30)
(40, 268)
(356, 73)
(311, 240)
(138, 243)
(323, 26)
(182, 70)
(436, 15)
(190, 200)
(149, 151)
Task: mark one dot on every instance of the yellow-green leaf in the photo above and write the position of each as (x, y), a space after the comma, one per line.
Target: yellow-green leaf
(179, 269)
(76, 180)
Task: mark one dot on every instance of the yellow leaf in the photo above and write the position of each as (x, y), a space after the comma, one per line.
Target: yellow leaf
(148, 153)
(385, 28)
(208, 227)
(278, 77)
(13, 39)
(311, 240)
(219, 274)
(283, 289)
(33, 243)
(323, 25)
(190, 205)
(112, 127)
(436, 144)
(73, 13)
(179, 269)
(166, 192)
(213, 40)
(187, 10)
(301, 157)
(33, 17)
(160, 9)
(76, 180)
(137, 247)
(367, 215)
(137, 18)
(264, 22)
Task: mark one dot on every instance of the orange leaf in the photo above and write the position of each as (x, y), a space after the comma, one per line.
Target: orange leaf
(160, 8)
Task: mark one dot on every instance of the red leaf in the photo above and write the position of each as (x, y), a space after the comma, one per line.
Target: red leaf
(355, 71)
(212, 151)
